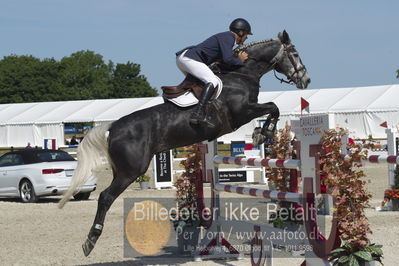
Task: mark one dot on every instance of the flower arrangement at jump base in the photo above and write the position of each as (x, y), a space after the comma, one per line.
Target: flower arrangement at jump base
(280, 180)
(144, 181)
(281, 149)
(392, 194)
(187, 222)
(186, 194)
(344, 182)
(143, 178)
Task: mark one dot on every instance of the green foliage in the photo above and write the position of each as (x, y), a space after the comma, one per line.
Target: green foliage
(128, 83)
(25, 78)
(80, 76)
(84, 75)
(348, 256)
(143, 178)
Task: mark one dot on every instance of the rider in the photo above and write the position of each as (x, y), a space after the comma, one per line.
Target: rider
(195, 59)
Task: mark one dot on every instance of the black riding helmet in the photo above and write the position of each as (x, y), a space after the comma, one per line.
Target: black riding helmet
(240, 24)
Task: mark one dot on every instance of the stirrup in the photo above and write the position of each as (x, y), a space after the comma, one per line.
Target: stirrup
(204, 121)
(194, 121)
(207, 123)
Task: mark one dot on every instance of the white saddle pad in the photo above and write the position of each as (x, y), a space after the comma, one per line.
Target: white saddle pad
(188, 98)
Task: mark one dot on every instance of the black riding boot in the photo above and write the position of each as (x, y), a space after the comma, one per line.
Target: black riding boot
(199, 114)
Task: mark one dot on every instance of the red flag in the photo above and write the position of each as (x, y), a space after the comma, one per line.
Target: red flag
(384, 124)
(304, 105)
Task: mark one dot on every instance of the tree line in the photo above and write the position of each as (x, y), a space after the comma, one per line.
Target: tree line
(82, 75)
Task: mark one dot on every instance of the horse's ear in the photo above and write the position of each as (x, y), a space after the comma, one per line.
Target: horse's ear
(284, 37)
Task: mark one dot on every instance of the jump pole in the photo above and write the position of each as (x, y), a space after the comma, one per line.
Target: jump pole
(392, 134)
(390, 159)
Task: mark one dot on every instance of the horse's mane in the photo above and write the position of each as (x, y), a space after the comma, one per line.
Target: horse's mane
(249, 45)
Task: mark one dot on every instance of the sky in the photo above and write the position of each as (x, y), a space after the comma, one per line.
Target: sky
(342, 43)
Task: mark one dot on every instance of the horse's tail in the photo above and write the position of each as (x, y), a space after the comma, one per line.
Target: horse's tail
(91, 153)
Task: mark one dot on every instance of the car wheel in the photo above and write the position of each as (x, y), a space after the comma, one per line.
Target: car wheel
(27, 192)
(82, 196)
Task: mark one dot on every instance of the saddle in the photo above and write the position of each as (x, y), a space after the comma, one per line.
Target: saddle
(189, 83)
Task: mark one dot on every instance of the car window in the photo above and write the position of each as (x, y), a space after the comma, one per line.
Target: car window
(11, 159)
(53, 156)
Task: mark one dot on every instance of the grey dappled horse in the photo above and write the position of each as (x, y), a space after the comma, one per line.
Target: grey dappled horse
(130, 142)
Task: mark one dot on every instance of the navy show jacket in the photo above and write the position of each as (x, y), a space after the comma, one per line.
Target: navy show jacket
(215, 48)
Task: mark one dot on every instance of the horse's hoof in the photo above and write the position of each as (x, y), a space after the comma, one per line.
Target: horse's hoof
(258, 139)
(87, 247)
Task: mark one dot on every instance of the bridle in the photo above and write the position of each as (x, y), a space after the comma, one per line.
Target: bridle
(289, 50)
(284, 48)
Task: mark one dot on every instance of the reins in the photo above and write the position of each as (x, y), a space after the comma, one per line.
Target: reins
(282, 80)
(247, 76)
(284, 49)
(215, 68)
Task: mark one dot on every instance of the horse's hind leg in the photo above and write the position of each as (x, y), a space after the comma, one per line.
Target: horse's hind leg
(120, 182)
(127, 166)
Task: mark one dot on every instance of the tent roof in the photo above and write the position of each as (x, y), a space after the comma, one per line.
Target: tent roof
(358, 99)
(341, 100)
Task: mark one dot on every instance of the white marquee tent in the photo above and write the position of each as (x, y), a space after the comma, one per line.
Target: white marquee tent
(360, 109)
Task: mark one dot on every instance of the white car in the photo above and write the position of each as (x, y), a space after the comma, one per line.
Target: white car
(33, 173)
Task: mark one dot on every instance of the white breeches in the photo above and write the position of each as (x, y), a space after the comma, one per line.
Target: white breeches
(197, 69)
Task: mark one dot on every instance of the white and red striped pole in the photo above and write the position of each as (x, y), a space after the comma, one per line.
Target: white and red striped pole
(261, 193)
(390, 159)
(270, 163)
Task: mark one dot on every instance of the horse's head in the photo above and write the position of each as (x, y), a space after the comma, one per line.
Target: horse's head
(278, 54)
(290, 64)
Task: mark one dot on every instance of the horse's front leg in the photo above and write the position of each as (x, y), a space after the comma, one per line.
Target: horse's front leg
(260, 109)
(266, 134)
